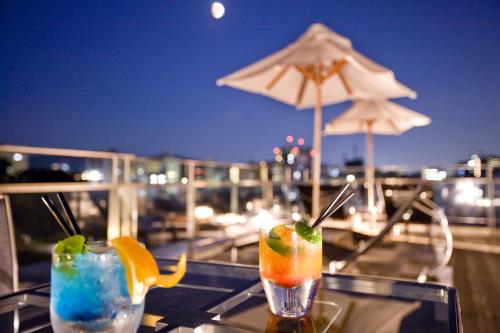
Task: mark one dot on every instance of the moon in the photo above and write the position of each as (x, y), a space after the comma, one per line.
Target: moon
(218, 10)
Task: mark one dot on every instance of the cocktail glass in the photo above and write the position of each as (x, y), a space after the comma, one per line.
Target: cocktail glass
(89, 293)
(290, 269)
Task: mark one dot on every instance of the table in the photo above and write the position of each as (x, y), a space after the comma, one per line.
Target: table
(229, 298)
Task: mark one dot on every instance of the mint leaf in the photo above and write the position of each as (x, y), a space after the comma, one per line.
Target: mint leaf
(311, 235)
(71, 245)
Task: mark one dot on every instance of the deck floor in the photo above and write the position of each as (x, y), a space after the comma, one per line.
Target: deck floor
(476, 276)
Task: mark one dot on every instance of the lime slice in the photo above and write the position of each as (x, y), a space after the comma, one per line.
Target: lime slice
(276, 244)
(71, 245)
(306, 232)
(279, 247)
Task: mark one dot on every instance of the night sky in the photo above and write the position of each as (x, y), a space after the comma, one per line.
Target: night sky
(140, 76)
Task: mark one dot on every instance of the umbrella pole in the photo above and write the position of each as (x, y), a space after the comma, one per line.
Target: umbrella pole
(370, 176)
(317, 153)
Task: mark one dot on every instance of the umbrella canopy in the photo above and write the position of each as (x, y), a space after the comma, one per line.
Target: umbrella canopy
(374, 117)
(319, 68)
(381, 117)
(288, 75)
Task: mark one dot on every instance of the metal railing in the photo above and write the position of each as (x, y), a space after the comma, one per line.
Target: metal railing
(125, 181)
(122, 216)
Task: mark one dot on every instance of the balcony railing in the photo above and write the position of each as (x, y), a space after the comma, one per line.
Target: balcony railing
(467, 192)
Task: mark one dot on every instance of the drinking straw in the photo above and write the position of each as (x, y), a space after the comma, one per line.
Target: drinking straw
(333, 209)
(335, 199)
(59, 219)
(69, 213)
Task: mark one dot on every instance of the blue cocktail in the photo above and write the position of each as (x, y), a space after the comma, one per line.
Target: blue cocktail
(89, 293)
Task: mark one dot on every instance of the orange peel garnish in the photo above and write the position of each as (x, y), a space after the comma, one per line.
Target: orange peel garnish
(141, 270)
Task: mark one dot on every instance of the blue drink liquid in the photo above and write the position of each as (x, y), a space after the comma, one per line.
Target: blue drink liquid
(89, 293)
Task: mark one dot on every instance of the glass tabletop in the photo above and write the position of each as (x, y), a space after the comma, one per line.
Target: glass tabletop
(229, 298)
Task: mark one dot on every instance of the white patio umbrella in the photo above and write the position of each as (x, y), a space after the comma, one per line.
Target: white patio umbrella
(319, 68)
(374, 117)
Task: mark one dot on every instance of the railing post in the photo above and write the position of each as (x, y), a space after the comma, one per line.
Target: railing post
(287, 188)
(114, 202)
(134, 202)
(490, 191)
(264, 180)
(190, 200)
(305, 176)
(234, 177)
(128, 203)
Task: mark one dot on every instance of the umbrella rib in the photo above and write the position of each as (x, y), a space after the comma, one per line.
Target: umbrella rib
(278, 77)
(393, 125)
(344, 82)
(336, 67)
(307, 72)
(300, 96)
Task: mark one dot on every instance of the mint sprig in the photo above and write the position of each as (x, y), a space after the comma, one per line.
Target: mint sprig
(71, 245)
(65, 249)
(311, 235)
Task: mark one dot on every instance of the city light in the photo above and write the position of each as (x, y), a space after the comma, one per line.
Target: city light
(184, 180)
(467, 193)
(434, 174)
(17, 157)
(60, 166)
(312, 153)
(276, 151)
(162, 180)
(278, 158)
(153, 179)
(301, 141)
(230, 219)
(218, 10)
(203, 212)
(350, 178)
(92, 175)
(263, 219)
(295, 150)
(234, 174)
(334, 172)
(407, 215)
(171, 175)
(289, 139)
(290, 158)
(475, 162)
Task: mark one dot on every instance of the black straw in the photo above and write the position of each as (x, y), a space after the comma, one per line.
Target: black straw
(59, 219)
(325, 212)
(333, 209)
(69, 213)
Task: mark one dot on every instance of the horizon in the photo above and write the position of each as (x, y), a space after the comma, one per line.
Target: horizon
(140, 78)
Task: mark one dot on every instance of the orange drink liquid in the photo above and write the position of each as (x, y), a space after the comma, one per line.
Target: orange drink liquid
(290, 269)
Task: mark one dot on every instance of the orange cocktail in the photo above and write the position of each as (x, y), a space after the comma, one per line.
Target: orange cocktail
(290, 260)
